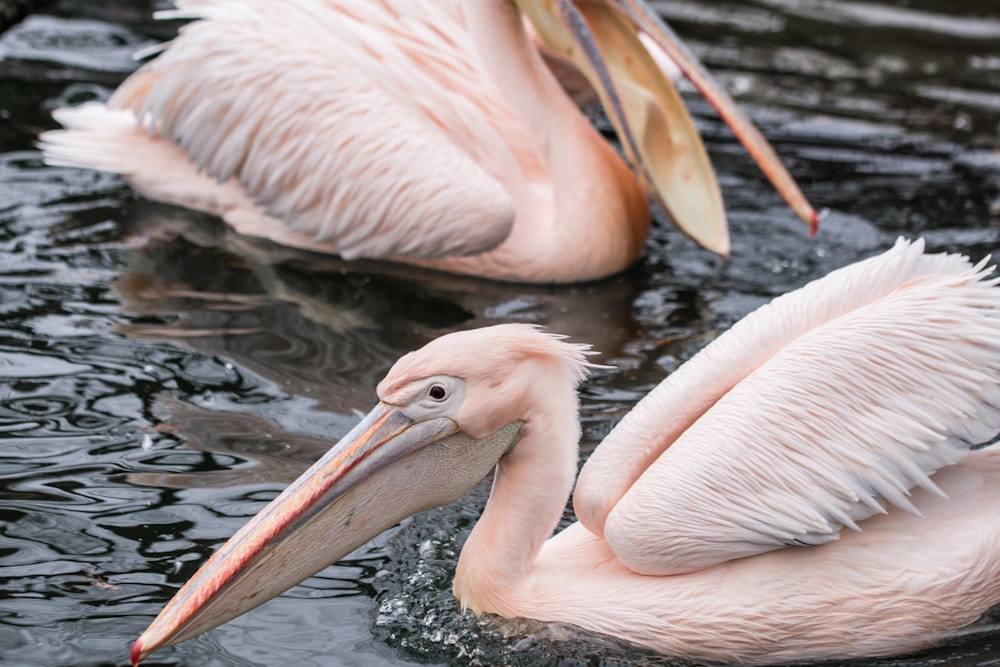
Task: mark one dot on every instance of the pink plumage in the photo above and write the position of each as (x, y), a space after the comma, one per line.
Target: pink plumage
(424, 132)
(728, 517)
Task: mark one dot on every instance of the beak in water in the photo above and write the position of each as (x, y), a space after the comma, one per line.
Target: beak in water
(621, 47)
(387, 468)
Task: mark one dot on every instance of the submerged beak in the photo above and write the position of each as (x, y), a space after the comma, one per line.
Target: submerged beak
(617, 45)
(387, 468)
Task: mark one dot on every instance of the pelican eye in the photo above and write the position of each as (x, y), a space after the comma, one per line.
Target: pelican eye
(437, 392)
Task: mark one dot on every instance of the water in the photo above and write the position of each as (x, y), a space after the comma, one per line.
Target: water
(161, 378)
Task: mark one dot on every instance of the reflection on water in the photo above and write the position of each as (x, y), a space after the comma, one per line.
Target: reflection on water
(161, 378)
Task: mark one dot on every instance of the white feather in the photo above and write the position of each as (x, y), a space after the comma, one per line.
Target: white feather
(840, 407)
(246, 104)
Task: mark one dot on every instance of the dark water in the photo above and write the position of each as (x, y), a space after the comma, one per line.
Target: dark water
(161, 378)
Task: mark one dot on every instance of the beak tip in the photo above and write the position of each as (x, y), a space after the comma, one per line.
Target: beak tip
(137, 654)
(813, 223)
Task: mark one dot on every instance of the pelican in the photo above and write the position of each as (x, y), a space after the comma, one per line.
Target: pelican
(807, 486)
(422, 131)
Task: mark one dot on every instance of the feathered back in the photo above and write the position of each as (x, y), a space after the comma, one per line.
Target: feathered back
(856, 387)
(400, 80)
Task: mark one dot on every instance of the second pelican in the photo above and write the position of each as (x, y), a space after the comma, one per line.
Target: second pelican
(423, 131)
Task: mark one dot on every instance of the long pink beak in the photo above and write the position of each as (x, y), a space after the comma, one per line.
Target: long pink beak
(753, 141)
(333, 508)
(390, 466)
(627, 52)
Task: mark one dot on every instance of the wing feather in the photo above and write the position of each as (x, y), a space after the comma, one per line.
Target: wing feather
(837, 415)
(362, 125)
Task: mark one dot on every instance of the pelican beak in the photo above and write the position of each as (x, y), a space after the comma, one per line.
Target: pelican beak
(625, 50)
(386, 469)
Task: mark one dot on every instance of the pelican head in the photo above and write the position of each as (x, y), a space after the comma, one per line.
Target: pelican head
(447, 414)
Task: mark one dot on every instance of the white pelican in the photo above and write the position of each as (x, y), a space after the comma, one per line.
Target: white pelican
(421, 131)
(726, 518)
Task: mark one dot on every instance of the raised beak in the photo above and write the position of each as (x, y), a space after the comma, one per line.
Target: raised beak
(621, 46)
(386, 469)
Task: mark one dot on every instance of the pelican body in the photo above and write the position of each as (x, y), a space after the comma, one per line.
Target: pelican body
(430, 132)
(808, 486)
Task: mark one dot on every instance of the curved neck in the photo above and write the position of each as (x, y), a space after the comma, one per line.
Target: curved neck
(568, 182)
(550, 120)
(531, 487)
